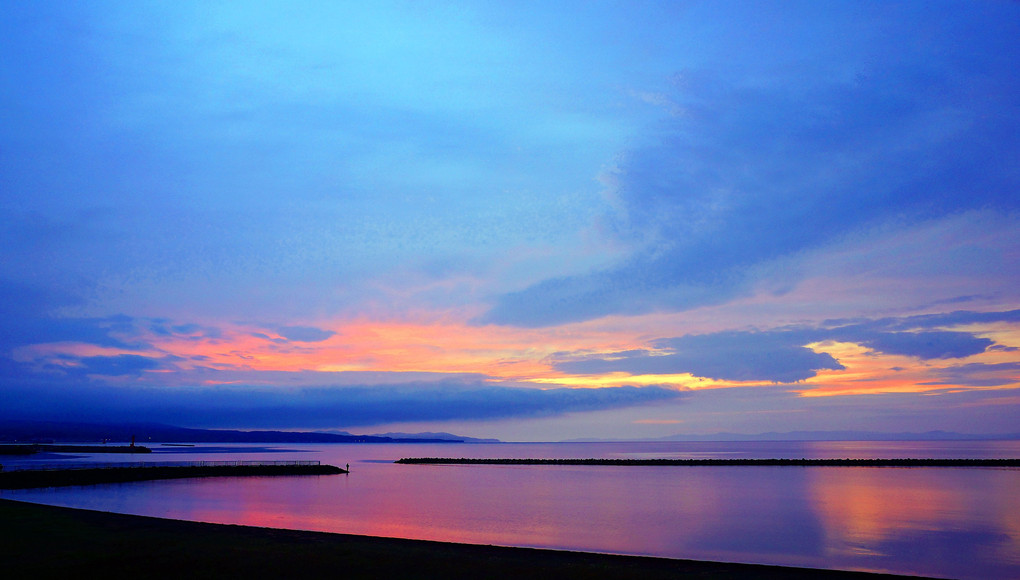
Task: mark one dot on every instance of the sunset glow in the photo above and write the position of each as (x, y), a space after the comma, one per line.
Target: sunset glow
(512, 221)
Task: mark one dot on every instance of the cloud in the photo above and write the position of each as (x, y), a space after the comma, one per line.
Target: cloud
(918, 336)
(758, 172)
(190, 331)
(304, 333)
(922, 345)
(317, 407)
(735, 356)
(781, 356)
(119, 365)
(27, 317)
(927, 321)
(980, 375)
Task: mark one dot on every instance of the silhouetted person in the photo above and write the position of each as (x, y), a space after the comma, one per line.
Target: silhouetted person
(348, 466)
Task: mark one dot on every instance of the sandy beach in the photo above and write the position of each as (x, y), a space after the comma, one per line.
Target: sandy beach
(47, 541)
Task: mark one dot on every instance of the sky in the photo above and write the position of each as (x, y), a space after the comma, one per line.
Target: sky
(522, 220)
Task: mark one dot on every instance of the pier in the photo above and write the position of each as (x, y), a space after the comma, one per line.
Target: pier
(57, 475)
(33, 448)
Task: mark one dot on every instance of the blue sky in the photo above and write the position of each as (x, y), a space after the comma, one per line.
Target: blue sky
(748, 216)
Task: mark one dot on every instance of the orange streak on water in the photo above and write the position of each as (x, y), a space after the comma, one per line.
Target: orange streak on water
(862, 509)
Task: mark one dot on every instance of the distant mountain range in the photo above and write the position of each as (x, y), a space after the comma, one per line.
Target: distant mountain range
(142, 433)
(828, 436)
(436, 436)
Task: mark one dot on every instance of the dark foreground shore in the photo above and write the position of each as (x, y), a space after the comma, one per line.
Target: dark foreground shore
(46, 541)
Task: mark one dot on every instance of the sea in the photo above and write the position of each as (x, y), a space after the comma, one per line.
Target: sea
(947, 522)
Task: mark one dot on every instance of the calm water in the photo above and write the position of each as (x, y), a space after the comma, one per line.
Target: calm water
(946, 522)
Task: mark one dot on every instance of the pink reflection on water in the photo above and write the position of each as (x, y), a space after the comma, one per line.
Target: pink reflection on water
(942, 518)
(962, 523)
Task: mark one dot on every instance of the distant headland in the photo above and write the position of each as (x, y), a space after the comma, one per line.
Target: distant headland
(35, 432)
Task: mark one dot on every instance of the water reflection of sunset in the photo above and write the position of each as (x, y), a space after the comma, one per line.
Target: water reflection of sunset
(955, 522)
(872, 510)
(859, 509)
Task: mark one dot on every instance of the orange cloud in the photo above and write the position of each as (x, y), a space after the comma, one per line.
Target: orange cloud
(446, 343)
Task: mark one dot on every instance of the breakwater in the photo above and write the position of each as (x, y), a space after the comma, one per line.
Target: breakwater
(730, 462)
(91, 475)
(33, 448)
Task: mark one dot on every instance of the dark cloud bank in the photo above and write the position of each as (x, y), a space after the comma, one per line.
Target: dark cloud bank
(79, 388)
(75, 388)
(780, 355)
(311, 408)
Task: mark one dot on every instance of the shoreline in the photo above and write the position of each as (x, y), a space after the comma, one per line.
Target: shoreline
(38, 539)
